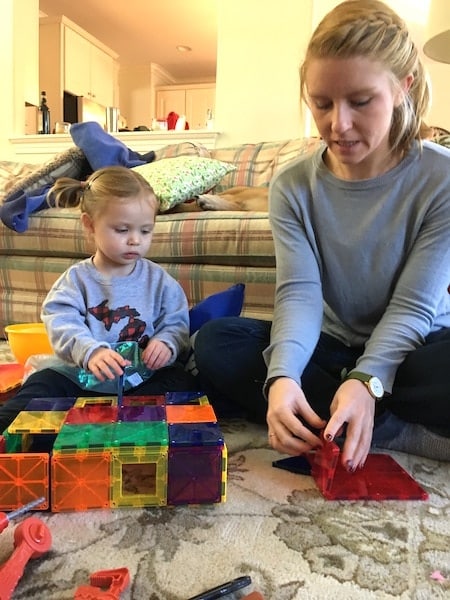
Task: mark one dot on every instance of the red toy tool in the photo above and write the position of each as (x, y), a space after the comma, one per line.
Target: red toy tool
(32, 538)
(104, 585)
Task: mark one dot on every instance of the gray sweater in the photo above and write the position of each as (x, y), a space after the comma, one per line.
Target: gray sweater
(85, 310)
(367, 262)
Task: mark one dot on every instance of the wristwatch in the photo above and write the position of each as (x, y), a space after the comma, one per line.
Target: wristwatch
(372, 383)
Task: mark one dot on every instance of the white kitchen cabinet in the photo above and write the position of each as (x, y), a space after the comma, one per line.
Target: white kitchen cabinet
(88, 70)
(192, 100)
(72, 60)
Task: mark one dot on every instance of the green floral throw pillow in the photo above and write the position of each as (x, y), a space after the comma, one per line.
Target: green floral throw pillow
(175, 180)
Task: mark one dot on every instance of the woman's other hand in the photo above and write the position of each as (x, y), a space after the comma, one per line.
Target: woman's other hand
(288, 409)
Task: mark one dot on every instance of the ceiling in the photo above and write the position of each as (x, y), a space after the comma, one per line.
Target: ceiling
(148, 31)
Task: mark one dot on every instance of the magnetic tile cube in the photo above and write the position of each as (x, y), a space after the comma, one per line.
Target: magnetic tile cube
(105, 452)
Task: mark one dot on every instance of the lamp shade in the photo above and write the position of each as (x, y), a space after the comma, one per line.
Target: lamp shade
(437, 31)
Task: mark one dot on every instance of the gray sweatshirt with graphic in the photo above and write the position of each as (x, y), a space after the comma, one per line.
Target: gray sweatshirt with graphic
(85, 310)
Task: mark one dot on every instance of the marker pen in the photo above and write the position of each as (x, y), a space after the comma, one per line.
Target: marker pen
(224, 589)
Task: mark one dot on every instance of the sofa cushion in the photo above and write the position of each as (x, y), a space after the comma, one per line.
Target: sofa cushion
(236, 238)
(257, 163)
(25, 281)
(175, 180)
(182, 149)
(221, 238)
(10, 173)
(443, 140)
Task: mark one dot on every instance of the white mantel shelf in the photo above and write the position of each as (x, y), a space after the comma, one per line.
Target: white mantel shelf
(40, 148)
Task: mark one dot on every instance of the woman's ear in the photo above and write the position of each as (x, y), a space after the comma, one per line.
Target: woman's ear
(403, 89)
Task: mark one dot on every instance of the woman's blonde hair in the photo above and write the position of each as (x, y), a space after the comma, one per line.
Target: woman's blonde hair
(371, 29)
(93, 194)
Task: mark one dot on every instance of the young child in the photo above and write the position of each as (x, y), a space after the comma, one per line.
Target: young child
(116, 298)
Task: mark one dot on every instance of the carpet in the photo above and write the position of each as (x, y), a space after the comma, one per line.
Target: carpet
(274, 526)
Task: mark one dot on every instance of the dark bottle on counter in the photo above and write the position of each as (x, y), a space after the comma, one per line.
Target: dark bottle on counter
(43, 115)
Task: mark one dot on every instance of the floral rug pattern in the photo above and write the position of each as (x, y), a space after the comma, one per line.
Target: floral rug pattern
(275, 526)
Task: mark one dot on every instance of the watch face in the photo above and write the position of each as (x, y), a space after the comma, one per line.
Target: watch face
(376, 387)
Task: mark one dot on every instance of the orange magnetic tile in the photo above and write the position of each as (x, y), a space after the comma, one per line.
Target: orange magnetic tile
(11, 376)
(23, 478)
(190, 413)
(81, 481)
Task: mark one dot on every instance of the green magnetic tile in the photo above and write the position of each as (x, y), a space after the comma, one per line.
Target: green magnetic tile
(150, 433)
(84, 437)
(13, 442)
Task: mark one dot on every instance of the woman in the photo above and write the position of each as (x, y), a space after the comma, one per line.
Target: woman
(360, 337)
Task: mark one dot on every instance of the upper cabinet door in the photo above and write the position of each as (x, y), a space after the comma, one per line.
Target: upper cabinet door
(103, 76)
(88, 70)
(77, 63)
(198, 101)
(192, 100)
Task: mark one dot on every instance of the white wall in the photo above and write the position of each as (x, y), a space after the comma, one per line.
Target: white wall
(440, 90)
(137, 92)
(260, 44)
(19, 65)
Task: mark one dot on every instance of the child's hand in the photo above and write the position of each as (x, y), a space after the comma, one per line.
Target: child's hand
(106, 363)
(156, 355)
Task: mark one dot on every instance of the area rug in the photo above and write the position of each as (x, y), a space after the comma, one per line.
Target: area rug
(275, 526)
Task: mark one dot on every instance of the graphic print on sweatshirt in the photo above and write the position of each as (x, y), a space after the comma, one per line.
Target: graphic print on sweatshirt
(134, 327)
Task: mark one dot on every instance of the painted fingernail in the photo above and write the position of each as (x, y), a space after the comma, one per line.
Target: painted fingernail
(329, 437)
(350, 466)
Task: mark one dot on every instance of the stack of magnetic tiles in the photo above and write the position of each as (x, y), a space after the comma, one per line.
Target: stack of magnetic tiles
(87, 453)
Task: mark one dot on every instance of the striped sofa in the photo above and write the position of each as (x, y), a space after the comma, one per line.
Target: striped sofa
(206, 252)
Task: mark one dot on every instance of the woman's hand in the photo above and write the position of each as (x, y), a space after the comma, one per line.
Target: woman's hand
(106, 363)
(352, 405)
(156, 354)
(287, 434)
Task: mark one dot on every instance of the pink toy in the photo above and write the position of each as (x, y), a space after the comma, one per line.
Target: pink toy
(32, 538)
(104, 585)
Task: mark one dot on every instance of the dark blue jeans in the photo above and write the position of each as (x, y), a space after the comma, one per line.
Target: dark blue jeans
(228, 353)
(51, 384)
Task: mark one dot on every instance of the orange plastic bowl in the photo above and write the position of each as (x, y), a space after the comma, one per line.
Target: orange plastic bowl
(26, 339)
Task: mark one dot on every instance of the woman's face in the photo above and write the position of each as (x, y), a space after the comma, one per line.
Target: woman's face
(352, 101)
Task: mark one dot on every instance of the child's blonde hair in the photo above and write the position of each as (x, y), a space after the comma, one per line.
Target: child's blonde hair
(93, 194)
(371, 29)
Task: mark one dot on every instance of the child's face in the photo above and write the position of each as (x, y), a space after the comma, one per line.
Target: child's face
(122, 232)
